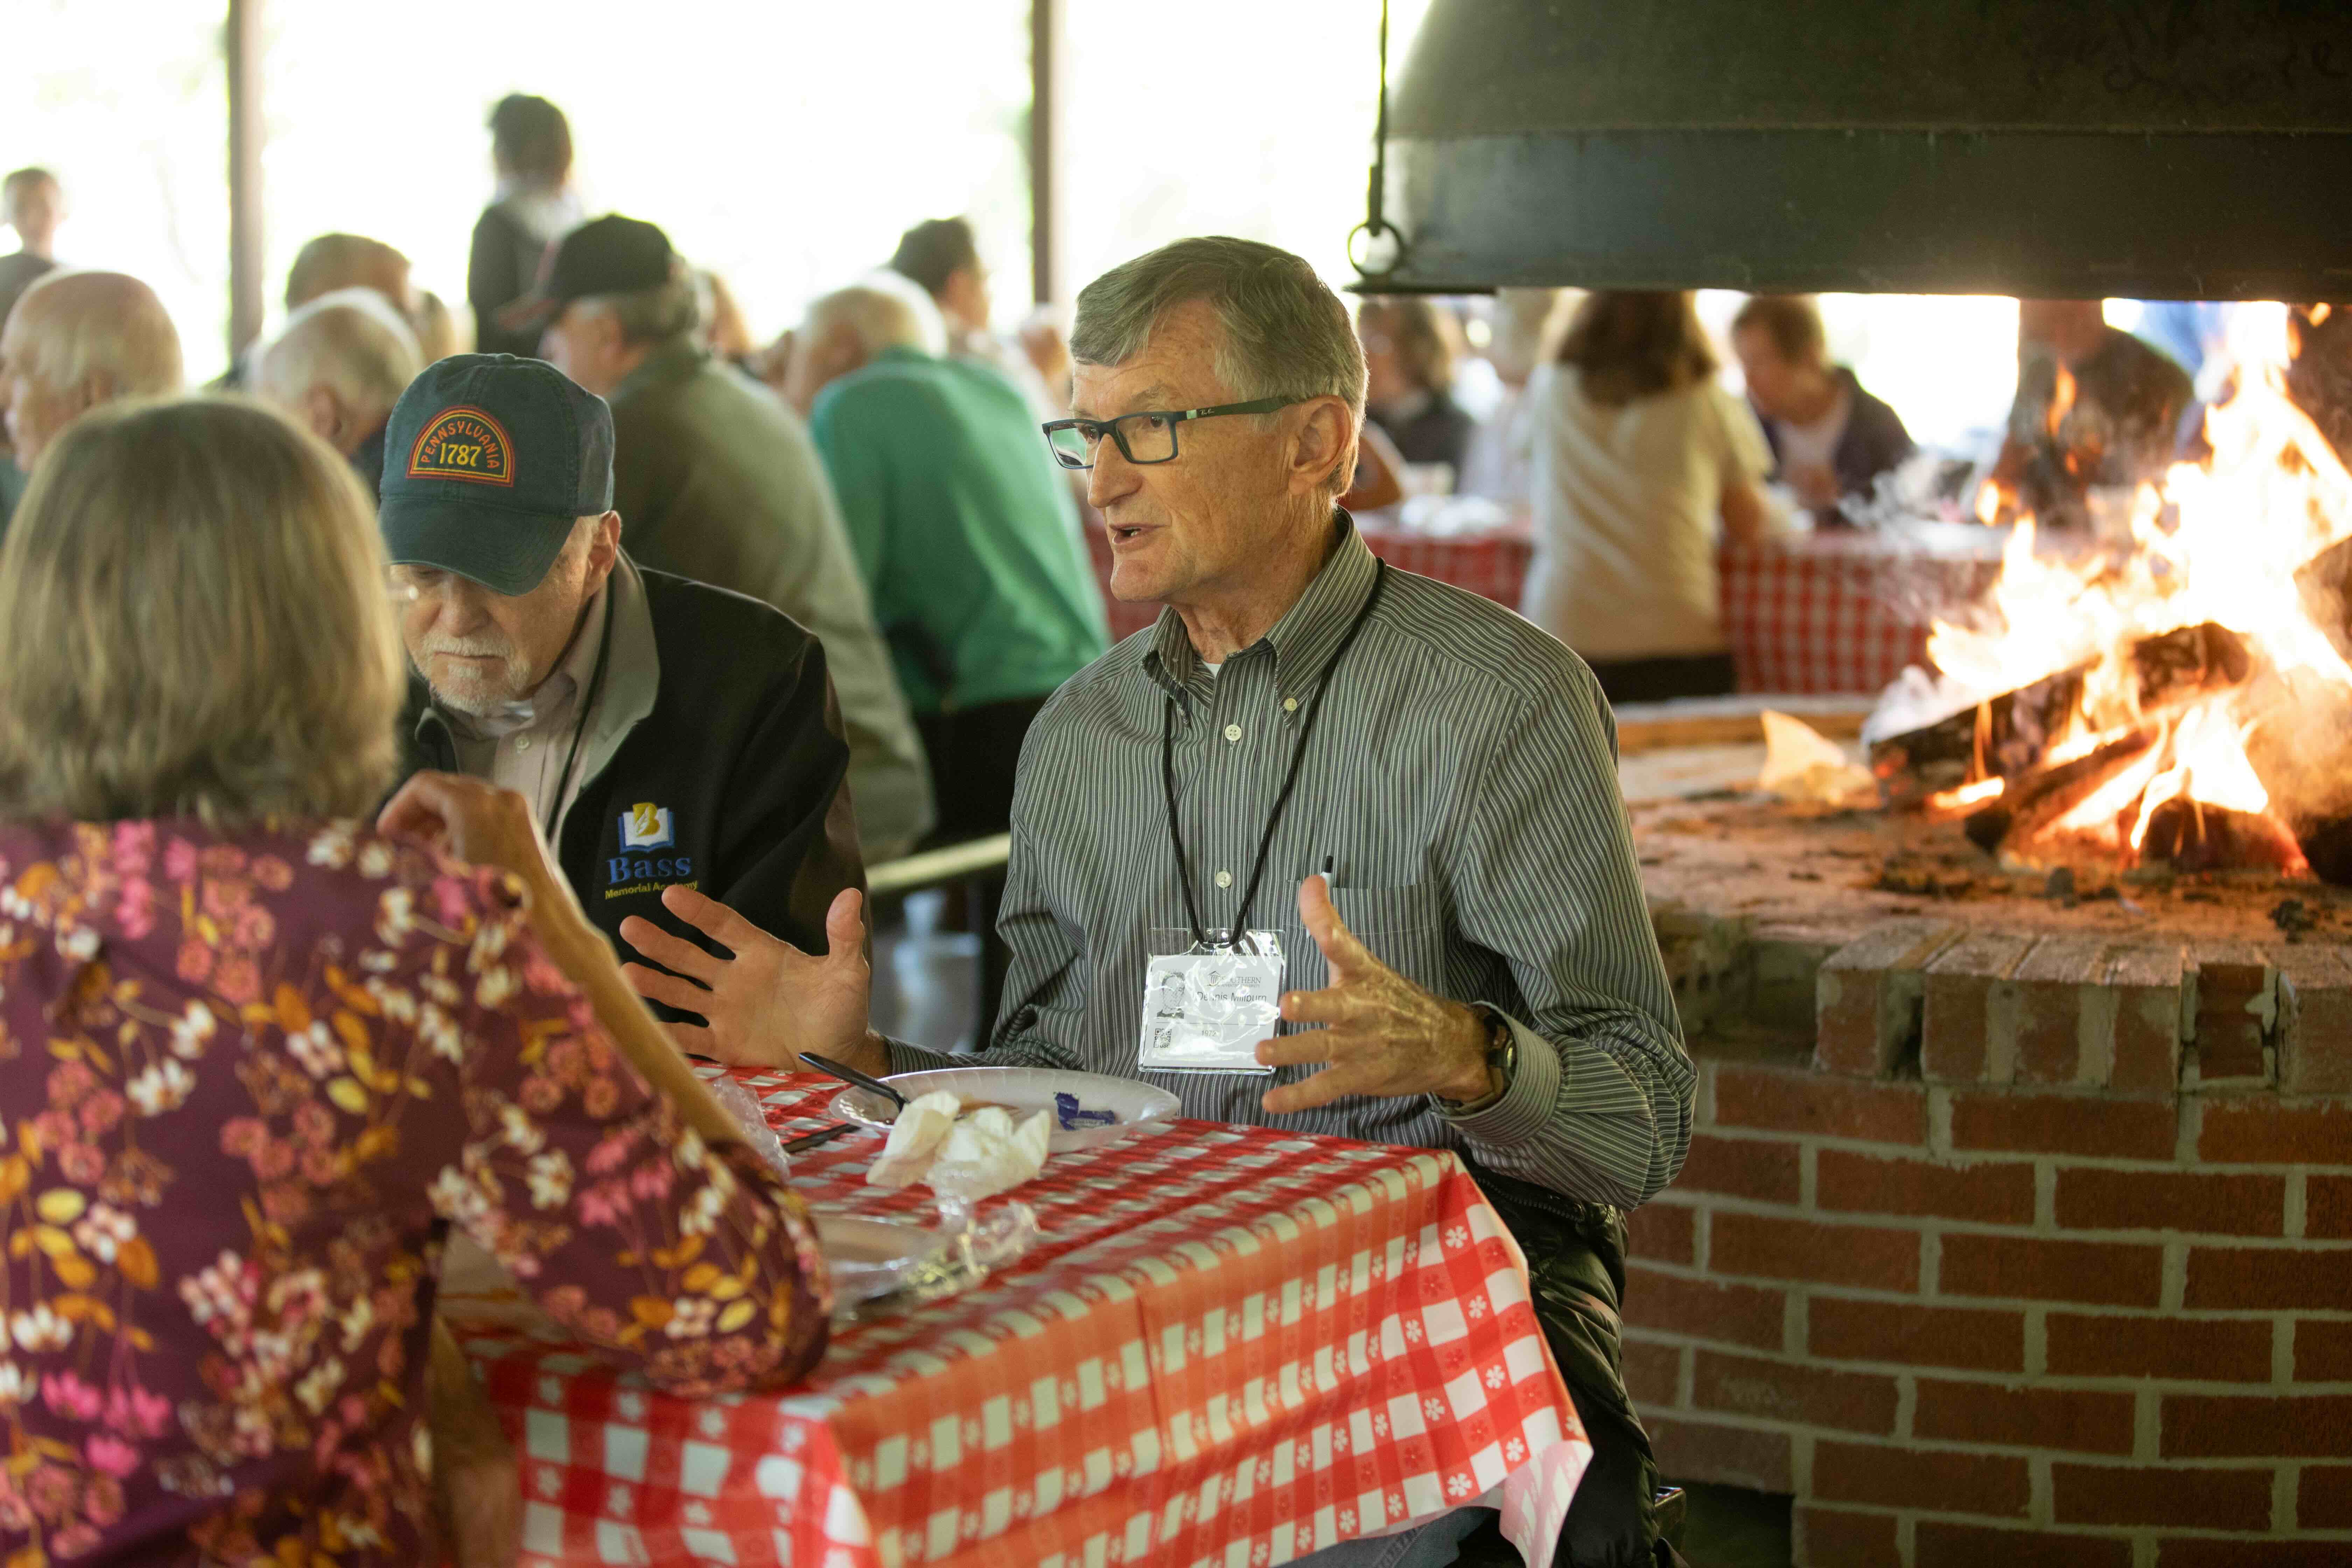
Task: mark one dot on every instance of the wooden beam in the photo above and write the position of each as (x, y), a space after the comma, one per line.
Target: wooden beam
(246, 294)
(1046, 57)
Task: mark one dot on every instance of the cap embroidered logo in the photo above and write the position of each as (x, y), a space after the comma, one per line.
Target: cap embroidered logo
(463, 444)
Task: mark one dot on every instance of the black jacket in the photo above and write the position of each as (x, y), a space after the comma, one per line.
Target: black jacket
(1872, 443)
(733, 781)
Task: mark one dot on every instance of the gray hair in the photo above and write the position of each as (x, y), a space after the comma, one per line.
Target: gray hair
(76, 328)
(668, 310)
(1286, 333)
(350, 342)
(886, 311)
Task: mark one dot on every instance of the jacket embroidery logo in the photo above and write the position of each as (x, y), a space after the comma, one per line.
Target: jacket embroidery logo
(646, 826)
(463, 444)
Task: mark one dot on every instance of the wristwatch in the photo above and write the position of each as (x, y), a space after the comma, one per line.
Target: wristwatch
(1502, 1061)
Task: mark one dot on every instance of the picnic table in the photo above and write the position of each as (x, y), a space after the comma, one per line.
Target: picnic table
(1232, 1346)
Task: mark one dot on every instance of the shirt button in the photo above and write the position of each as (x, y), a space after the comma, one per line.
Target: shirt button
(523, 743)
(1290, 705)
(1233, 731)
(1224, 878)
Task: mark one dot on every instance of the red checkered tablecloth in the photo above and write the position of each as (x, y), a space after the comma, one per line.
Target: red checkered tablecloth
(1233, 1345)
(1842, 612)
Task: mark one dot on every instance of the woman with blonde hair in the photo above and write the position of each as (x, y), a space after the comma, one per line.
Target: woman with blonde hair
(257, 1052)
(1637, 452)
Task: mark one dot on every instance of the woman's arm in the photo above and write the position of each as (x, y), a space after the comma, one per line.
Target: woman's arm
(476, 822)
(596, 1168)
(1747, 516)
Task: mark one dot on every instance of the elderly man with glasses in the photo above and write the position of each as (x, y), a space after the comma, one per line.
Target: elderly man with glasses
(1375, 815)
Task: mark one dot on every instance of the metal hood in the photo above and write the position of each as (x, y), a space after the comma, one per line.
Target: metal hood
(2195, 149)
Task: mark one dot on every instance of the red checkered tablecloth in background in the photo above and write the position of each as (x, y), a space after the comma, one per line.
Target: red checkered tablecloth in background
(1234, 1345)
(1839, 612)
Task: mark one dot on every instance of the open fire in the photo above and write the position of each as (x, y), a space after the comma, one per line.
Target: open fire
(2172, 692)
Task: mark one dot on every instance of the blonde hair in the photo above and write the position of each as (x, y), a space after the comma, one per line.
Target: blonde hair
(198, 624)
(103, 330)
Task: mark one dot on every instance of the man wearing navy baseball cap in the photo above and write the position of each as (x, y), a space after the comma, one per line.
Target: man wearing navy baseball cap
(666, 733)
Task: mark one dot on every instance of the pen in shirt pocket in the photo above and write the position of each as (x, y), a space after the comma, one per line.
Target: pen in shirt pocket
(1330, 876)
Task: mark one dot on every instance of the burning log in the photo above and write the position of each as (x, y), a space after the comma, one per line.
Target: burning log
(2192, 835)
(2008, 736)
(2044, 794)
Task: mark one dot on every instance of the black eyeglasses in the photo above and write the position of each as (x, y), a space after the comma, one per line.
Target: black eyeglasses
(1143, 437)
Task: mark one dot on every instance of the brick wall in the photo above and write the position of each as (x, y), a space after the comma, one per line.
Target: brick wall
(2006, 1276)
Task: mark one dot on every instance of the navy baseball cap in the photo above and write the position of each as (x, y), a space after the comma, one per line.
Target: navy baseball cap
(488, 461)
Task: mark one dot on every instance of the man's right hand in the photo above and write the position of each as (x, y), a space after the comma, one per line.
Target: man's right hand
(769, 1001)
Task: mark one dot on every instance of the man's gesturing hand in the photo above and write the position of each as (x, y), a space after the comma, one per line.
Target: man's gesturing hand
(768, 1001)
(1384, 1035)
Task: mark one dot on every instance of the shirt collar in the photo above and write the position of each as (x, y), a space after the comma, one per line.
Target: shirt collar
(1303, 640)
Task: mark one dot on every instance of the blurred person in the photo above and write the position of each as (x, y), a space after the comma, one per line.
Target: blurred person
(334, 261)
(965, 531)
(1520, 332)
(78, 340)
(1410, 344)
(33, 204)
(664, 732)
(196, 720)
(534, 207)
(1830, 438)
(723, 331)
(943, 255)
(441, 331)
(2095, 406)
(1049, 350)
(338, 366)
(1637, 452)
(718, 481)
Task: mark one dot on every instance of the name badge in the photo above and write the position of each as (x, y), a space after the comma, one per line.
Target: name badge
(1207, 1006)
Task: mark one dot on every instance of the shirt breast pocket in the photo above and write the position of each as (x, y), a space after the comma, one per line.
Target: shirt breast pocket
(1404, 927)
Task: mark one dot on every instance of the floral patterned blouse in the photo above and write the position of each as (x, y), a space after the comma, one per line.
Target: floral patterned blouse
(246, 1083)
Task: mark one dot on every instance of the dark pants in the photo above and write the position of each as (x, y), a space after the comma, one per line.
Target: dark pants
(1660, 679)
(1576, 1272)
(973, 754)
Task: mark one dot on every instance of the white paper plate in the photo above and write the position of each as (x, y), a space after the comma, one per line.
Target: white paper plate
(869, 1257)
(1137, 1104)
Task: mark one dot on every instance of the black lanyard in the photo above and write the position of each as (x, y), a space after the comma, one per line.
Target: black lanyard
(1240, 929)
(587, 707)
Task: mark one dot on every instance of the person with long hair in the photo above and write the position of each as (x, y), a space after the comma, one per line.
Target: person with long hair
(534, 207)
(1638, 451)
(257, 1051)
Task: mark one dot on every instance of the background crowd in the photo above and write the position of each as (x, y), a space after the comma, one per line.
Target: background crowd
(1609, 423)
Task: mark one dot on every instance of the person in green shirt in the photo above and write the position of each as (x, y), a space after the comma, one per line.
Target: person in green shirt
(964, 528)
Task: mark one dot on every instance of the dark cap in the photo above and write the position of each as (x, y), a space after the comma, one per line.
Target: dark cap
(612, 255)
(488, 461)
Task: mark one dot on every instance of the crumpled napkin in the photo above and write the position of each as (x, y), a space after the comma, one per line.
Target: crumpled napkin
(974, 1158)
(1801, 763)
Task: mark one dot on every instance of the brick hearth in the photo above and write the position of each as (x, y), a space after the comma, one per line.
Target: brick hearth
(2006, 1241)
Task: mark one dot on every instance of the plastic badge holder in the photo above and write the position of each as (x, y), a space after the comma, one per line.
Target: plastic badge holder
(1206, 1006)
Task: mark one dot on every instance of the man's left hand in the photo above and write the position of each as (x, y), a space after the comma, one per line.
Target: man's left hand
(1382, 1034)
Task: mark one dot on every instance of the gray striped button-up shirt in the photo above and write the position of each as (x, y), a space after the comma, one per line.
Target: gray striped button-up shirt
(1463, 783)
